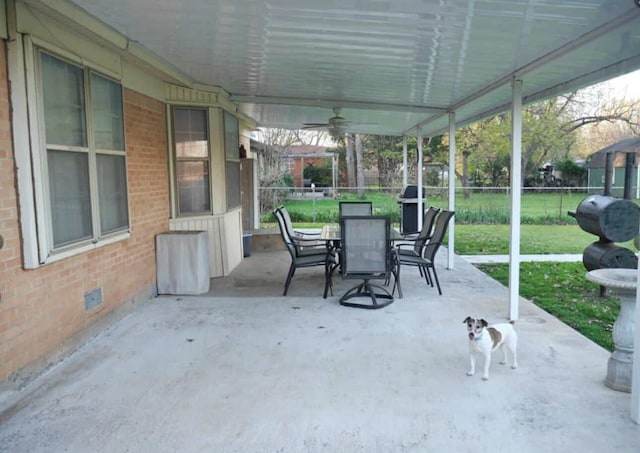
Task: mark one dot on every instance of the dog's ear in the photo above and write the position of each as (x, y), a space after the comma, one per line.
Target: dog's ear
(466, 320)
(484, 323)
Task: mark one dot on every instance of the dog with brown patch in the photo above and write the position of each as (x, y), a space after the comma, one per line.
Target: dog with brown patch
(483, 339)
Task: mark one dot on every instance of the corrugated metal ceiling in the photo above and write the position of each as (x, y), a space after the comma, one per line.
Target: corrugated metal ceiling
(390, 64)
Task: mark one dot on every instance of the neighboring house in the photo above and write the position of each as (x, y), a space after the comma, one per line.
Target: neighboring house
(102, 147)
(296, 157)
(596, 168)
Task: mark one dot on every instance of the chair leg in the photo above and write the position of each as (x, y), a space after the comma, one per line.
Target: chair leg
(292, 270)
(427, 275)
(396, 276)
(435, 276)
(328, 278)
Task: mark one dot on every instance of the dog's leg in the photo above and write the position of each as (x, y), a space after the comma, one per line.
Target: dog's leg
(487, 362)
(514, 363)
(472, 363)
(504, 352)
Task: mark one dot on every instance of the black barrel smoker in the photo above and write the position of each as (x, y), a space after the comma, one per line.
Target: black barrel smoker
(612, 220)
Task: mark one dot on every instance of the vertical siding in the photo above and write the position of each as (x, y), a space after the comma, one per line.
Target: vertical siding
(224, 239)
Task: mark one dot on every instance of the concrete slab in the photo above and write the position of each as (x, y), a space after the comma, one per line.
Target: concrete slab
(245, 370)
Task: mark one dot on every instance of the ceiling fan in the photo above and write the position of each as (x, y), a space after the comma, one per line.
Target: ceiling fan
(336, 125)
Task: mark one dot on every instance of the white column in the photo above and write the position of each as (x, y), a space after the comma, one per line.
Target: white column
(452, 188)
(516, 191)
(404, 161)
(635, 373)
(419, 170)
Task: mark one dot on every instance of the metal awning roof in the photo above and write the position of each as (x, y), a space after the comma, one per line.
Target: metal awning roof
(389, 64)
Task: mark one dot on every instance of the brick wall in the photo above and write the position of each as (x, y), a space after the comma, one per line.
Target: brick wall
(42, 311)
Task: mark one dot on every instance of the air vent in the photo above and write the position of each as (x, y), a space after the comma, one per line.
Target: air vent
(93, 298)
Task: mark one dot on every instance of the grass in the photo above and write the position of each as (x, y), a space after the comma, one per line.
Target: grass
(534, 239)
(478, 208)
(562, 290)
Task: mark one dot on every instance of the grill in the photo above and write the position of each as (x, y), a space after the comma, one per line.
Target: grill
(612, 220)
(408, 200)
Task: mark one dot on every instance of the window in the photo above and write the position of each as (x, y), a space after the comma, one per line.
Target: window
(232, 156)
(85, 153)
(191, 136)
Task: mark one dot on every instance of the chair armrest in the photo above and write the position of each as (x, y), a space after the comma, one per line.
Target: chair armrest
(305, 234)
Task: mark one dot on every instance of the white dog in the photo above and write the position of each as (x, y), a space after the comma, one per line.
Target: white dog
(484, 338)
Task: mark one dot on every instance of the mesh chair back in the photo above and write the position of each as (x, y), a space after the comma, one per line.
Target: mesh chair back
(442, 223)
(354, 208)
(284, 232)
(286, 218)
(427, 227)
(366, 247)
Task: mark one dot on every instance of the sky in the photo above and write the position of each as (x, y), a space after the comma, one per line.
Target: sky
(626, 86)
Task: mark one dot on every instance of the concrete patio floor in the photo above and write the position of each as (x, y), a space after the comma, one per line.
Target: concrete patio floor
(243, 369)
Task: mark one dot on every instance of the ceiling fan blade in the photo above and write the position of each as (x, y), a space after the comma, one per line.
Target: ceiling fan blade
(314, 126)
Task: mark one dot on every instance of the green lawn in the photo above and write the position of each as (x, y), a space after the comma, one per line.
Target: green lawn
(562, 290)
(481, 208)
(534, 239)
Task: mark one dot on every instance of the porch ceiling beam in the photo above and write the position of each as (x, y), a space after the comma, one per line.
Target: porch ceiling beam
(329, 104)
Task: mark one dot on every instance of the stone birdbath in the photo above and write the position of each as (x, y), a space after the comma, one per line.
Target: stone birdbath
(622, 283)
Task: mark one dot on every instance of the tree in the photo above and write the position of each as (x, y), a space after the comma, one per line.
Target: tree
(273, 176)
(549, 134)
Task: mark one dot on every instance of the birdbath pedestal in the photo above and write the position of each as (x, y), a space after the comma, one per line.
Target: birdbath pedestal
(622, 283)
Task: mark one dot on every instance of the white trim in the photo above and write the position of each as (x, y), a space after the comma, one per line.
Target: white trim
(20, 130)
(38, 151)
(73, 57)
(116, 237)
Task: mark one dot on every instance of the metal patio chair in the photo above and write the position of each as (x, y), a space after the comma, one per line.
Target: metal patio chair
(417, 241)
(425, 258)
(366, 255)
(292, 231)
(304, 253)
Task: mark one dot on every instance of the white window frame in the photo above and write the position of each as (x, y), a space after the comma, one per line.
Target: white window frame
(47, 252)
(174, 161)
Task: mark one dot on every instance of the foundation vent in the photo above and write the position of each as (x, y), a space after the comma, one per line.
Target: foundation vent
(93, 298)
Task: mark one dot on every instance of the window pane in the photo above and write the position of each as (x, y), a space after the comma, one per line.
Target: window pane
(191, 133)
(70, 197)
(106, 102)
(112, 193)
(63, 92)
(231, 139)
(193, 187)
(233, 183)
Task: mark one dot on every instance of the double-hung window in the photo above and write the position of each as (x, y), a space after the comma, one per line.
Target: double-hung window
(85, 167)
(191, 135)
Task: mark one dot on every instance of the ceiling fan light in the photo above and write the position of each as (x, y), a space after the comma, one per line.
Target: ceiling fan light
(337, 131)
